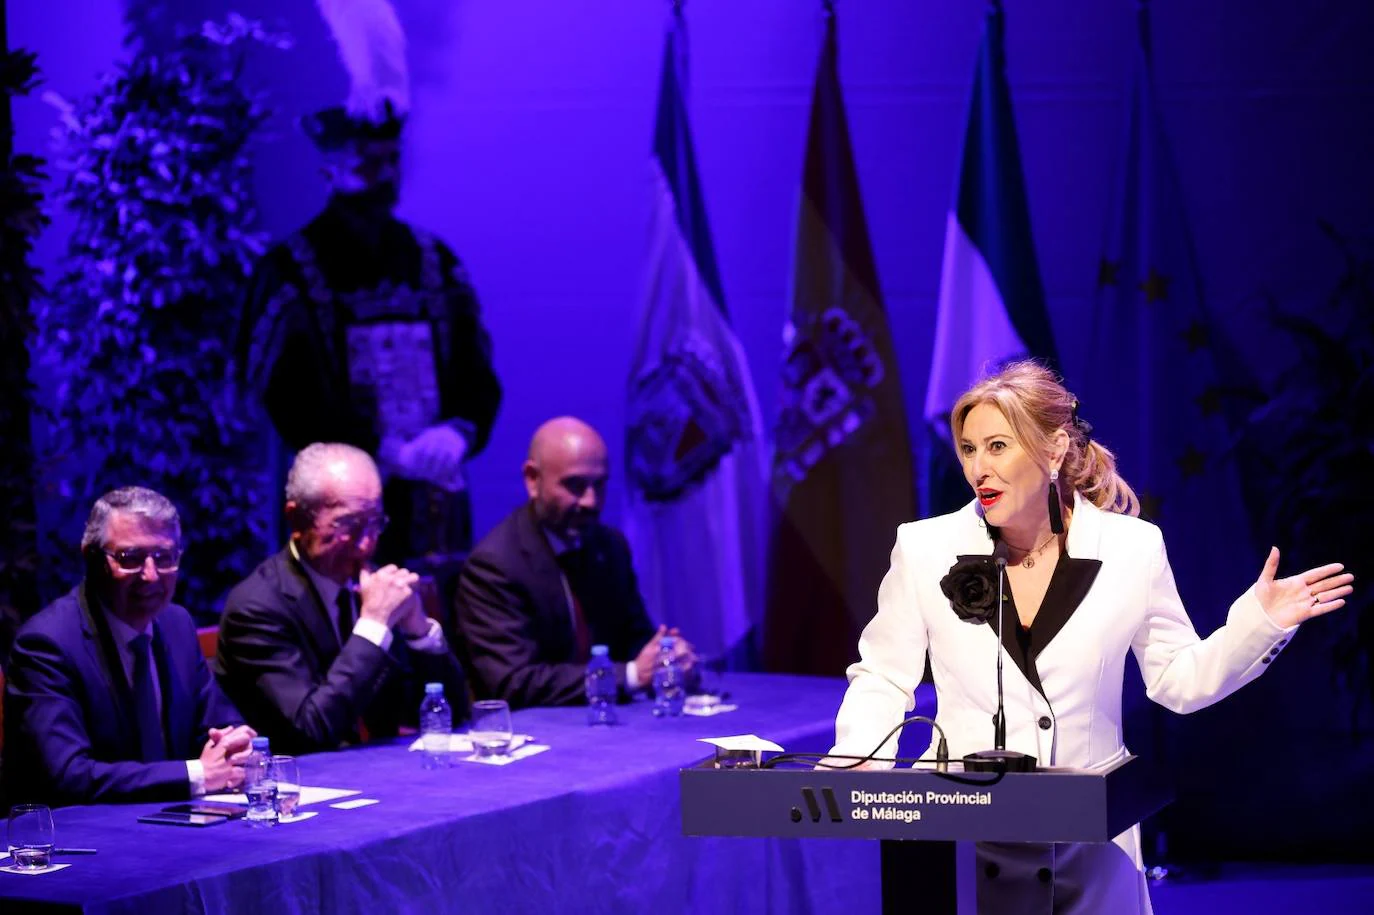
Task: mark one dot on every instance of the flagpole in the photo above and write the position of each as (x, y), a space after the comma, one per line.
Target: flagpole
(1142, 18)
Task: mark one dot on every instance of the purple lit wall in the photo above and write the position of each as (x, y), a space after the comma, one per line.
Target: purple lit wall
(528, 145)
(528, 149)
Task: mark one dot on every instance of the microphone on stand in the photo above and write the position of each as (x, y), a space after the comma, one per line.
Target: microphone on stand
(999, 718)
(999, 759)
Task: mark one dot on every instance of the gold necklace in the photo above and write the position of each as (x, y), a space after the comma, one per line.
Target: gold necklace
(1029, 561)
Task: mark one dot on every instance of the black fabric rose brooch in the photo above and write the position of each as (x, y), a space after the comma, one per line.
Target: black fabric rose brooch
(971, 586)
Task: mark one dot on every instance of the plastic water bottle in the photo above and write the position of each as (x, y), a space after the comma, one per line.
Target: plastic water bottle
(259, 786)
(436, 724)
(601, 687)
(669, 689)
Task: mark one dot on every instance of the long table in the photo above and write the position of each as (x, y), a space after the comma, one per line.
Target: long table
(591, 825)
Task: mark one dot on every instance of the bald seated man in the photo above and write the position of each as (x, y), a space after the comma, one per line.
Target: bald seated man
(316, 645)
(551, 580)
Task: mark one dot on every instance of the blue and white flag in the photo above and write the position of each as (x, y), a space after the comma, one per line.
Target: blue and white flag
(694, 445)
(992, 303)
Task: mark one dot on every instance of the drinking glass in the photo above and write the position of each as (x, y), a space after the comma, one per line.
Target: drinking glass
(491, 728)
(711, 677)
(31, 836)
(285, 771)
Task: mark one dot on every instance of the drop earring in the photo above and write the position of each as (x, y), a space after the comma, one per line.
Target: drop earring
(1056, 515)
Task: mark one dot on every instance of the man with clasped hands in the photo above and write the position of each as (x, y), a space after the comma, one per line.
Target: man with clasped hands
(107, 696)
(317, 648)
(551, 580)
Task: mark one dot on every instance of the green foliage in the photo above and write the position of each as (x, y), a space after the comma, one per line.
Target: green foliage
(1315, 439)
(138, 333)
(21, 219)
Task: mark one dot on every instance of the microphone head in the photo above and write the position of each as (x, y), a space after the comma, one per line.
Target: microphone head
(1000, 552)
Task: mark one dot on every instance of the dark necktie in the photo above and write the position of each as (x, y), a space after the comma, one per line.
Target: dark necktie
(572, 562)
(345, 614)
(152, 744)
(344, 603)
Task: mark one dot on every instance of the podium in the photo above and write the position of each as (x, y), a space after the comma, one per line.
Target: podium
(920, 813)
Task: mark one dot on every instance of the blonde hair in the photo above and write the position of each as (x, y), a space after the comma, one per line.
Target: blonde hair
(1036, 406)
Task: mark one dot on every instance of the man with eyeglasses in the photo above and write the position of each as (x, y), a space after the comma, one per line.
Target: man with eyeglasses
(318, 648)
(107, 696)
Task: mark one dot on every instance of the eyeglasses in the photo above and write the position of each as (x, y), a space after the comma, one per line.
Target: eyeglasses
(357, 527)
(133, 560)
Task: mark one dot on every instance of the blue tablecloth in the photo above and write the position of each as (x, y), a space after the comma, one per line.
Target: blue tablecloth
(591, 825)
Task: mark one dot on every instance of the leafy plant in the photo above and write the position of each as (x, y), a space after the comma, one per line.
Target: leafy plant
(1315, 441)
(138, 332)
(21, 219)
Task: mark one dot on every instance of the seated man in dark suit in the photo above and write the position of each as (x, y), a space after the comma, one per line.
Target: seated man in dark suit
(550, 581)
(313, 645)
(107, 696)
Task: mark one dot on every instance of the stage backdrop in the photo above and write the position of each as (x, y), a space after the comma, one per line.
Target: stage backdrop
(528, 150)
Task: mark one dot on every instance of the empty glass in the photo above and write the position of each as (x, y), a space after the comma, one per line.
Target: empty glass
(285, 771)
(491, 728)
(711, 677)
(31, 836)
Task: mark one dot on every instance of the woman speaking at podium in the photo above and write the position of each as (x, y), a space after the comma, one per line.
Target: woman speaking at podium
(1086, 581)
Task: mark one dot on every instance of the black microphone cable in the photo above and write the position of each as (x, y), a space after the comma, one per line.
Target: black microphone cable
(817, 760)
(941, 748)
(941, 760)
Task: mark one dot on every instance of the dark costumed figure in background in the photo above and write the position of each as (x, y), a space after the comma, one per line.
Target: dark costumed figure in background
(359, 328)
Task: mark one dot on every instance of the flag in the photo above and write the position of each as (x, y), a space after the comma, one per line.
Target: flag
(992, 303)
(1152, 391)
(841, 474)
(1153, 397)
(693, 445)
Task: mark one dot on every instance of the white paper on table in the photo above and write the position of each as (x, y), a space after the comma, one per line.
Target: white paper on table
(298, 817)
(706, 710)
(529, 749)
(309, 795)
(742, 742)
(30, 871)
(42, 870)
(462, 743)
(355, 803)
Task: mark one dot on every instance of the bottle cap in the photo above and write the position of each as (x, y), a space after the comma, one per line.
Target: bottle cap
(261, 744)
(666, 642)
(434, 689)
(600, 651)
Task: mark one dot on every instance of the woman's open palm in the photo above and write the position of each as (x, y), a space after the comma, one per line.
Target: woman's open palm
(1298, 598)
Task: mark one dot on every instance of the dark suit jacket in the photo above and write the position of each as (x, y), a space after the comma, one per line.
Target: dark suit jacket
(515, 620)
(70, 729)
(281, 662)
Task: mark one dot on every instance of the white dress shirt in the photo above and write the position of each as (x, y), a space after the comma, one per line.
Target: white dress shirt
(432, 642)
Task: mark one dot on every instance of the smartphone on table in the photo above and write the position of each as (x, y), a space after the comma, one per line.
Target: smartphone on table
(209, 808)
(169, 818)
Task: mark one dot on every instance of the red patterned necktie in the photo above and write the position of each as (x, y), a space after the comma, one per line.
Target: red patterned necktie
(570, 562)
